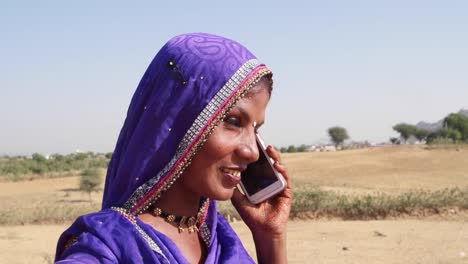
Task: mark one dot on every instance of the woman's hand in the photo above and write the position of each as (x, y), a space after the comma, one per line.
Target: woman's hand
(268, 220)
(269, 217)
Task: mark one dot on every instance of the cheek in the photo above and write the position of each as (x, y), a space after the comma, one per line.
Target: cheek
(213, 152)
(217, 145)
(207, 158)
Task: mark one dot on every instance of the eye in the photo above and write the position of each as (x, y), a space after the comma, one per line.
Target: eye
(232, 120)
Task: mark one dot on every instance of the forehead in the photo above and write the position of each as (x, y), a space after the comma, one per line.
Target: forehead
(261, 86)
(254, 103)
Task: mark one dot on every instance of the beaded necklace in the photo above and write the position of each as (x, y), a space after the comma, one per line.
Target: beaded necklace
(189, 222)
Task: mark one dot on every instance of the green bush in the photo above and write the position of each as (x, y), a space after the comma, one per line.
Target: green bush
(313, 202)
(90, 180)
(37, 166)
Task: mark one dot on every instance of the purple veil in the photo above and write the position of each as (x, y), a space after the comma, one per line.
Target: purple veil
(190, 85)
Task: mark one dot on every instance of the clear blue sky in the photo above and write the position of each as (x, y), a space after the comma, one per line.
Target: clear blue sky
(68, 68)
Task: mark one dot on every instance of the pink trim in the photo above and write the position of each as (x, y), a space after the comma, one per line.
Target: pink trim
(205, 213)
(154, 189)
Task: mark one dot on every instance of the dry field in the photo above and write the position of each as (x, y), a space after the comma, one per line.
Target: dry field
(386, 169)
(403, 241)
(436, 239)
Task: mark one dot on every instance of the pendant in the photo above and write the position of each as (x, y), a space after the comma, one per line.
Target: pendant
(182, 222)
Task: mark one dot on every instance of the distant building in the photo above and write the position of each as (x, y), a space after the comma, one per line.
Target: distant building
(328, 148)
(311, 148)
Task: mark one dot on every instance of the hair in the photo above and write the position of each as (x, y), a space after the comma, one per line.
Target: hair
(267, 80)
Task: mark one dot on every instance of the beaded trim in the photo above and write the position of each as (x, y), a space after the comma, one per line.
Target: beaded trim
(205, 234)
(132, 219)
(201, 215)
(198, 134)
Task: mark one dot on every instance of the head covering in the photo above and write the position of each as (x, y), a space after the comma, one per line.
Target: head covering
(191, 84)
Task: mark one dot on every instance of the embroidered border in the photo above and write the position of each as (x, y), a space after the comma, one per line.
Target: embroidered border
(205, 234)
(201, 216)
(137, 203)
(180, 167)
(132, 219)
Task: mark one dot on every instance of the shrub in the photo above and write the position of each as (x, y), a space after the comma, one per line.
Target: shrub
(313, 202)
(90, 181)
(23, 168)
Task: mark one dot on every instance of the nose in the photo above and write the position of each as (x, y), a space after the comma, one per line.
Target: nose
(248, 150)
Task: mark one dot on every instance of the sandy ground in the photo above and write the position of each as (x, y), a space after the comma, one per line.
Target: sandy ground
(430, 240)
(385, 169)
(402, 241)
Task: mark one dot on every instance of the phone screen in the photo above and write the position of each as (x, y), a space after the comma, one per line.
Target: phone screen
(258, 175)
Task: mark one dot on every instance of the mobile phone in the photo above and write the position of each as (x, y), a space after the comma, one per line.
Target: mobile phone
(260, 180)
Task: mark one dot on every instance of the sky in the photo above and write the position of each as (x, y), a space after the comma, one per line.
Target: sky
(68, 69)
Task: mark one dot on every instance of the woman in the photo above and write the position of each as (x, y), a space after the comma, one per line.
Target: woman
(188, 134)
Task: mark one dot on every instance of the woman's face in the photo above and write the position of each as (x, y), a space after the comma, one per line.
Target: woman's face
(215, 170)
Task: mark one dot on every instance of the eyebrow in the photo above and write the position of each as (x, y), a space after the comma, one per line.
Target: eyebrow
(246, 115)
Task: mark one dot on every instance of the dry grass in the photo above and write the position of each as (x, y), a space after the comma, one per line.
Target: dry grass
(402, 241)
(414, 174)
(388, 169)
(43, 201)
(377, 183)
(357, 184)
(315, 203)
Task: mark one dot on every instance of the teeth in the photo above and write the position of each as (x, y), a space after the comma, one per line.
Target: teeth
(234, 173)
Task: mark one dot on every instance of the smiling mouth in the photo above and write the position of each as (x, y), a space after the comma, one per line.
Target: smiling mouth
(235, 173)
(234, 176)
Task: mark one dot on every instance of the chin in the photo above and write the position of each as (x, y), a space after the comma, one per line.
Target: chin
(222, 196)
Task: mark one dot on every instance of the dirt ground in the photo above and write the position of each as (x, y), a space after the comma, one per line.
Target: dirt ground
(401, 241)
(434, 239)
(384, 169)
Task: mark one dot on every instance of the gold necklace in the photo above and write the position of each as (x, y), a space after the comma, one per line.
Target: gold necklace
(189, 222)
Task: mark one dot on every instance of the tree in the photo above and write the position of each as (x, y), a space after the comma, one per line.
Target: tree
(80, 156)
(444, 135)
(405, 130)
(89, 181)
(291, 149)
(57, 157)
(457, 122)
(338, 135)
(302, 148)
(451, 133)
(421, 134)
(39, 158)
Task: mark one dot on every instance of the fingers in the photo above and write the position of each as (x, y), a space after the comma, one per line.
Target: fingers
(238, 199)
(277, 158)
(243, 206)
(278, 165)
(273, 153)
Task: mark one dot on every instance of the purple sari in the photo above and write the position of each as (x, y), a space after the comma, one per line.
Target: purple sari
(193, 81)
